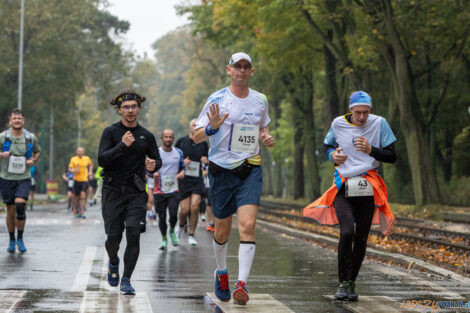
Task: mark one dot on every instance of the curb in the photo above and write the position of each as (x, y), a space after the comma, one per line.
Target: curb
(394, 257)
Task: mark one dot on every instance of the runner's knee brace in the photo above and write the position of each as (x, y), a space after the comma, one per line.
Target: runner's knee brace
(20, 211)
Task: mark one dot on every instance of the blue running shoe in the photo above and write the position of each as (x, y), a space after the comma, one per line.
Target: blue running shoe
(113, 274)
(21, 246)
(240, 294)
(126, 288)
(11, 246)
(222, 291)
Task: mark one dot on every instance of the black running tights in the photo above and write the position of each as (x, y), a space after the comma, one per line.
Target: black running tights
(161, 204)
(349, 210)
(132, 250)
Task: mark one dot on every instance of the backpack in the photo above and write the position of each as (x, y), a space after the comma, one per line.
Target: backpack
(29, 143)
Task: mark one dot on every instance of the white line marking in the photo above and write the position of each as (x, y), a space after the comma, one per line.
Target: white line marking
(259, 303)
(83, 275)
(104, 285)
(9, 299)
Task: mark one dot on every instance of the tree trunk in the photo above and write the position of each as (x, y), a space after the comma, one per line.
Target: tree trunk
(309, 140)
(423, 175)
(298, 117)
(267, 170)
(331, 104)
(278, 182)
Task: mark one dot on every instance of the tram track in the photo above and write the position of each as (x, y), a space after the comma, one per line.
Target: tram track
(405, 229)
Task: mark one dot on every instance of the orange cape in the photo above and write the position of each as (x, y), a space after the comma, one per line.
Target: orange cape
(322, 210)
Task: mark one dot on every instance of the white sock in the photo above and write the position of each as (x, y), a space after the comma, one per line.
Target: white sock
(246, 253)
(220, 252)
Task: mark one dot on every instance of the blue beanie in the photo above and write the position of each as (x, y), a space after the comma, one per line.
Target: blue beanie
(360, 98)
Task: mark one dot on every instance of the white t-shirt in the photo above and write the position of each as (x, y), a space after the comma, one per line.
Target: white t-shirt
(377, 132)
(172, 163)
(252, 110)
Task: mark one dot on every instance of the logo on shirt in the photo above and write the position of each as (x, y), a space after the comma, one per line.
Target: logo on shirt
(142, 137)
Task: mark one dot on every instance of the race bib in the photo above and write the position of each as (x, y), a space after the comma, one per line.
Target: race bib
(244, 138)
(150, 183)
(70, 183)
(358, 186)
(16, 164)
(192, 169)
(169, 184)
(33, 181)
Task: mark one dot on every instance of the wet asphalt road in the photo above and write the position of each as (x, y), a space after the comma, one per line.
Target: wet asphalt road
(65, 265)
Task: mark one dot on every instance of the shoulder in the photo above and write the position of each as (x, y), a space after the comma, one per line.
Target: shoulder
(179, 151)
(219, 94)
(340, 119)
(258, 95)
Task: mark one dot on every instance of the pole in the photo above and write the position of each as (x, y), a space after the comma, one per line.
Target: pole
(79, 121)
(51, 147)
(20, 68)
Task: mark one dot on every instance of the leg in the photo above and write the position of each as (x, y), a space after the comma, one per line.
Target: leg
(183, 215)
(344, 212)
(20, 205)
(11, 218)
(132, 251)
(246, 225)
(160, 206)
(223, 227)
(364, 212)
(173, 210)
(112, 247)
(75, 201)
(83, 201)
(193, 219)
(150, 201)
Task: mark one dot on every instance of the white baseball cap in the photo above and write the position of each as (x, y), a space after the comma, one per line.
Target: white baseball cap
(238, 57)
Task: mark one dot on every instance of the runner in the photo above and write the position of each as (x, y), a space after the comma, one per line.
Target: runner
(206, 202)
(235, 118)
(82, 169)
(20, 149)
(355, 143)
(166, 187)
(150, 200)
(126, 151)
(192, 185)
(92, 187)
(68, 179)
(33, 173)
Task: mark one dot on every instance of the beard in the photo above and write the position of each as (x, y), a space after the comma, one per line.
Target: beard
(168, 144)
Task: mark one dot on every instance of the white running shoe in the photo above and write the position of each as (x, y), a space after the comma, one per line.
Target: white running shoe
(178, 231)
(192, 241)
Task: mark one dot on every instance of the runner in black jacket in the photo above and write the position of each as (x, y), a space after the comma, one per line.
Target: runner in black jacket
(126, 151)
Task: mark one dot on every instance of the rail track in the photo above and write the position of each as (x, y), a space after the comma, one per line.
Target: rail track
(405, 228)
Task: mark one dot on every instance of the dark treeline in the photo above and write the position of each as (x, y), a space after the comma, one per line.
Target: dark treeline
(411, 56)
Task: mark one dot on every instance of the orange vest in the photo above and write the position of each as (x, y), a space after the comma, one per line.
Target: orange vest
(323, 211)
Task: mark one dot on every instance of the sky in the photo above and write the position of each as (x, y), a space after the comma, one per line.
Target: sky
(149, 20)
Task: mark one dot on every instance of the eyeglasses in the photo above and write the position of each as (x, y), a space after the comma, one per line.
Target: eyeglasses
(238, 67)
(128, 107)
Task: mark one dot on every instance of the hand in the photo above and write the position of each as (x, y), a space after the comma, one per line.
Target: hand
(267, 139)
(6, 154)
(180, 175)
(128, 138)
(186, 161)
(362, 145)
(204, 160)
(215, 120)
(30, 162)
(339, 158)
(150, 164)
(156, 175)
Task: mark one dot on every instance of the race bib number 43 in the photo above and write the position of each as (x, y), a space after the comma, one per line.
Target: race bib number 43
(17, 164)
(244, 138)
(358, 186)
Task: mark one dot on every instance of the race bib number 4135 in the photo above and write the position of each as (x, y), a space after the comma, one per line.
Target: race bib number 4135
(244, 138)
